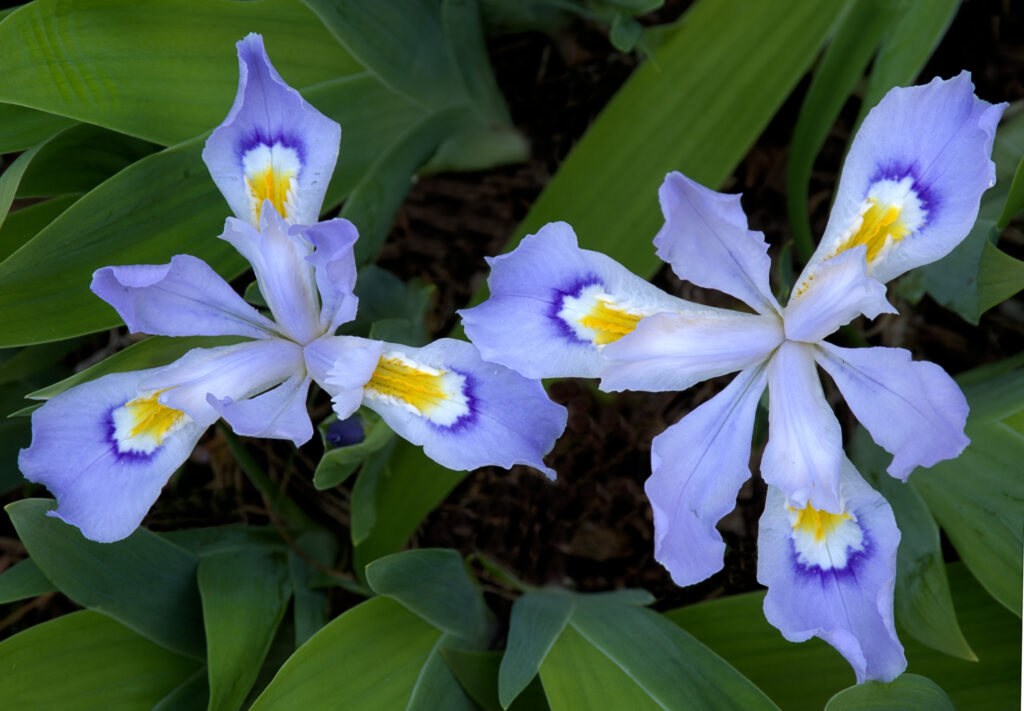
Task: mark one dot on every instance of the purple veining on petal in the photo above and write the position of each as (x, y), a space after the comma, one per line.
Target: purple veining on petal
(258, 138)
(558, 302)
(853, 562)
(471, 416)
(897, 171)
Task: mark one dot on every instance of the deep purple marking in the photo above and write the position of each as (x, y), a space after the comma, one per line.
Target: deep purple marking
(897, 171)
(129, 456)
(258, 138)
(558, 299)
(471, 416)
(853, 563)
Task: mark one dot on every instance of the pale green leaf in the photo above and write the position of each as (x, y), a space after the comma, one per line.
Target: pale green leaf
(23, 580)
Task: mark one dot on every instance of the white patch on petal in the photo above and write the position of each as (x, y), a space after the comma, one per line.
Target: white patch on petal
(891, 211)
(270, 174)
(595, 316)
(142, 424)
(438, 395)
(824, 540)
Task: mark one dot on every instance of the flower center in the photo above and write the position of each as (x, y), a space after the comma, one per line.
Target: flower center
(141, 425)
(440, 396)
(891, 211)
(270, 173)
(594, 316)
(824, 540)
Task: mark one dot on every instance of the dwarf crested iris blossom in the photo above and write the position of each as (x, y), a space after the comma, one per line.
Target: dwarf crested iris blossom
(106, 448)
(909, 193)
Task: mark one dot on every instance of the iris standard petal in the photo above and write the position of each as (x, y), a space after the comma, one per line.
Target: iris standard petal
(273, 145)
(707, 242)
(911, 408)
(342, 366)
(838, 292)
(279, 413)
(183, 298)
(805, 442)
(334, 268)
(913, 178)
(230, 372)
(554, 306)
(285, 277)
(466, 413)
(698, 466)
(105, 449)
(675, 351)
(832, 575)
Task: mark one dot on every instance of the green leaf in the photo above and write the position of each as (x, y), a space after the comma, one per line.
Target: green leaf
(148, 353)
(84, 661)
(245, 594)
(858, 35)
(1000, 276)
(22, 128)
(338, 463)
(924, 604)
(909, 692)
(22, 224)
(467, 50)
(668, 666)
(410, 487)
(143, 581)
(912, 37)
(220, 539)
(1014, 200)
(310, 606)
(401, 42)
(171, 77)
(192, 694)
(625, 32)
(720, 78)
(364, 495)
(537, 621)
(978, 498)
(382, 296)
(433, 583)
(78, 159)
(23, 580)
(11, 178)
(368, 659)
(806, 675)
(477, 673)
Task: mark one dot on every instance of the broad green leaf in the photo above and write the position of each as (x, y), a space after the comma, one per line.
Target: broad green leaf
(310, 607)
(670, 668)
(410, 487)
(437, 687)
(464, 39)
(978, 498)
(143, 581)
(148, 353)
(401, 42)
(804, 676)
(537, 621)
(477, 673)
(169, 78)
(339, 463)
(245, 594)
(214, 540)
(364, 495)
(78, 159)
(11, 178)
(924, 604)
(368, 659)
(909, 692)
(910, 40)
(433, 583)
(1000, 276)
(1014, 200)
(22, 128)
(858, 35)
(84, 661)
(191, 695)
(721, 76)
(382, 296)
(23, 224)
(23, 580)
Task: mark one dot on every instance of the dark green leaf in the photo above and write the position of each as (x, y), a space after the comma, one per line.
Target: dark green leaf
(11, 178)
(23, 580)
(537, 621)
(23, 224)
(171, 77)
(245, 593)
(477, 673)
(364, 494)
(924, 604)
(1014, 200)
(310, 606)
(858, 35)
(909, 692)
(225, 539)
(84, 661)
(433, 583)
(384, 296)
(143, 581)
(368, 659)
(338, 463)
(464, 39)
(805, 676)
(22, 128)
(625, 32)
(720, 78)
(192, 694)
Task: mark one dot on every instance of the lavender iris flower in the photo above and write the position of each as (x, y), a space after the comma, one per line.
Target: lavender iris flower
(105, 448)
(909, 193)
